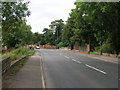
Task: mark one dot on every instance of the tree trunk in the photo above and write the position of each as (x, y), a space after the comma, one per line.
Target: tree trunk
(71, 47)
(100, 52)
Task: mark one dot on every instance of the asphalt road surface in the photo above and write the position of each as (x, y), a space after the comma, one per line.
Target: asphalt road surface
(64, 69)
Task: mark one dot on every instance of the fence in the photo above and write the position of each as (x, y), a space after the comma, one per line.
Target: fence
(7, 64)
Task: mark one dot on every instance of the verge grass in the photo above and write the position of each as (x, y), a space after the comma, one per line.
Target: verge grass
(93, 53)
(15, 54)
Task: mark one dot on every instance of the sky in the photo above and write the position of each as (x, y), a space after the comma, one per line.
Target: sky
(43, 12)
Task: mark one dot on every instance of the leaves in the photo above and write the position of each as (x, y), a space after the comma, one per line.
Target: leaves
(14, 28)
(94, 23)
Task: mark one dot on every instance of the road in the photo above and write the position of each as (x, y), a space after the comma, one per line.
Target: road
(64, 69)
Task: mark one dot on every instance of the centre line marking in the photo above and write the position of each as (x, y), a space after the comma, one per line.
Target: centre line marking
(76, 61)
(67, 57)
(95, 69)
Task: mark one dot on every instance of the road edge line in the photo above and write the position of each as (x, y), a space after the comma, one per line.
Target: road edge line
(42, 73)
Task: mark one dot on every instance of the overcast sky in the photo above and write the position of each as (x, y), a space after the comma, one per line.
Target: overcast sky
(43, 12)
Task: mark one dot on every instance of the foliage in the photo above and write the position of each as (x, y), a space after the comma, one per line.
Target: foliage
(62, 44)
(14, 28)
(48, 37)
(52, 36)
(57, 27)
(106, 47)
(92, 23)
(17, 67)
(93, 53)
(17, 53)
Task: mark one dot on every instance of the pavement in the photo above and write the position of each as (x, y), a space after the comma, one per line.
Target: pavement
(29, 75)
(63, 69)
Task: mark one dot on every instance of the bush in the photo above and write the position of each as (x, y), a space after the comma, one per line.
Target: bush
(62, 44)
(17, 53)
(106, 47)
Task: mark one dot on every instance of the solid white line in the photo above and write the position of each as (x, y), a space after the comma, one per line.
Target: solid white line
(66, 57)
(96, 69)
(75, 61)
(42, 75)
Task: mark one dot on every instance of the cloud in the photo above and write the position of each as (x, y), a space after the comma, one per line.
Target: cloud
(45, 11)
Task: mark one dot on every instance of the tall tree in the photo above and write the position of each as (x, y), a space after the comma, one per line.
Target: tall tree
(13, 22)
(93, 24)
(57, 26)
(68, 32)
(48, 36)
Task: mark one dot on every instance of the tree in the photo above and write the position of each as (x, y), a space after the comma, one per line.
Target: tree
(67, 32)
(48, 36)
(13, 22)
(57, 26)
(93, 24)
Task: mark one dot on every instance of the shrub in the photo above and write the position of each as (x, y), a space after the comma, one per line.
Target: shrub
(106, 47)
(62, 44)
(17, 53)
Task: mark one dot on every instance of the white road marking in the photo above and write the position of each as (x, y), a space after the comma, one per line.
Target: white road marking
(66, 57)
(42, 75)
(76, 61)
(95, 69)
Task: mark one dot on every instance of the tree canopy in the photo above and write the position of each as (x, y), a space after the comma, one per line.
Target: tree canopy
(93, 23)
(15, 31)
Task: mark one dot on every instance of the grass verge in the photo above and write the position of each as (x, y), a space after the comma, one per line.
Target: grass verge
(15, 54)
(94, 53)
(17, 67)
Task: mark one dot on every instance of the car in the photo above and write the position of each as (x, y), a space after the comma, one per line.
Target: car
(37, 47)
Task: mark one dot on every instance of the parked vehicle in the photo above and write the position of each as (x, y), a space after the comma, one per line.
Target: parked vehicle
(37, 47)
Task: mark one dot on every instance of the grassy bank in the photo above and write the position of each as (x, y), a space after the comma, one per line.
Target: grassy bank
(15, 54)
(17, 67)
